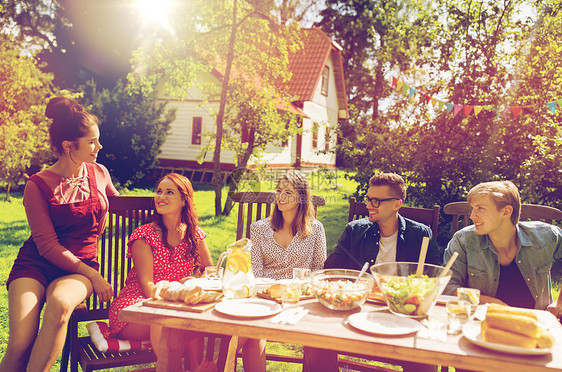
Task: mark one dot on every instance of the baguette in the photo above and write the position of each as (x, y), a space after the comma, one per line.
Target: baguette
(503, 309)
(544, 340)
(500, 336)
(520, 324)
(155, 293)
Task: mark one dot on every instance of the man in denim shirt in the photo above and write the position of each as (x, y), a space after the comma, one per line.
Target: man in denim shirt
(507, 260)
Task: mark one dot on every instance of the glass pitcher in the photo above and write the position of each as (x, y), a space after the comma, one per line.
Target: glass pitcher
(238, 280)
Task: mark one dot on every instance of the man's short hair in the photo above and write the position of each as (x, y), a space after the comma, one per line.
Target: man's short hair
(503, 193)
(392, 180)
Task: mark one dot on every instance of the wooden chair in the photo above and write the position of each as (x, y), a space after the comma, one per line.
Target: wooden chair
(125, 214)
(429, 217)
(262, 201)
(534, 212)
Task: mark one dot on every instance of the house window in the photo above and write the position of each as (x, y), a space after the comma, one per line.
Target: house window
(325, 80)
(196, 130)
(315, 136)
(327, 139)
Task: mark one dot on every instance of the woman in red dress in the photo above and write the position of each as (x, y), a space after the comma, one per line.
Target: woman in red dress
(169, 248)
(56, 268)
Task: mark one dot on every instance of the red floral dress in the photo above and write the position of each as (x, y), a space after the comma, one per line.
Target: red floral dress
(168, 268)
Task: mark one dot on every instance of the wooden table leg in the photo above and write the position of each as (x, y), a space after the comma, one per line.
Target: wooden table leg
(170, 353)
(230, 365)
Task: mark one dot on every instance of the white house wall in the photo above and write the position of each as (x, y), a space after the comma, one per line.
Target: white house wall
(323, 109)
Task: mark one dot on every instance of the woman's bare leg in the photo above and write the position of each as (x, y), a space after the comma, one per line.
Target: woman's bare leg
(26, 297)
(253, 354)
(62, 296)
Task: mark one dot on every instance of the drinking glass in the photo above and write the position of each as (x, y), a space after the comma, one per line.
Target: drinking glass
(302, 276)
(458, 314)
(290, 293)
(470, 295)
(211, 273)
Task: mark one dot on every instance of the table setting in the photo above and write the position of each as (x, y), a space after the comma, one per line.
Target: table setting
(399, 307)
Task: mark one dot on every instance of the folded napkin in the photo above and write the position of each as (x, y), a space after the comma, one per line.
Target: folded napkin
(290, 316)
(99, 333)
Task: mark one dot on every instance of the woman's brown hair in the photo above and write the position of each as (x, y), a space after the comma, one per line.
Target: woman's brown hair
(302, 224)
(70, 121)
(188, 216)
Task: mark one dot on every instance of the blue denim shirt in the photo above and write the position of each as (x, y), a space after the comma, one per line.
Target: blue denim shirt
(359, 243)
(477, 265)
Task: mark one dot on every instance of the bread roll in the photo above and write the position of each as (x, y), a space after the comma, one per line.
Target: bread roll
(520, 324)
(274, 291)
(500, 336)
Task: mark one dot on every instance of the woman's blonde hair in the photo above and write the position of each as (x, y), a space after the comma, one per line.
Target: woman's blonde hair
(302, 224)
(503, 193)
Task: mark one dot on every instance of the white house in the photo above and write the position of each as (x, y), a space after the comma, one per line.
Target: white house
(318, 82)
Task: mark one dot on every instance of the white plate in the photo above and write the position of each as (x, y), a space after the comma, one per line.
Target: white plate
(248, 308)
(204, 283)
(383, 323)
(472, 332)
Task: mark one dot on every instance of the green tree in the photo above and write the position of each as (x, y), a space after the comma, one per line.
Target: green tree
(246, 42)
(24, 139)
(133, 127)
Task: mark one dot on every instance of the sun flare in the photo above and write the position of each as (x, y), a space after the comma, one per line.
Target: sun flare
(156, 11)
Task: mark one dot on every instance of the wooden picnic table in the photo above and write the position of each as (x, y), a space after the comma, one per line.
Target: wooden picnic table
(328, 329)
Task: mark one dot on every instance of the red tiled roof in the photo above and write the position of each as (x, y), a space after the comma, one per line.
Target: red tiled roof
(308, 63)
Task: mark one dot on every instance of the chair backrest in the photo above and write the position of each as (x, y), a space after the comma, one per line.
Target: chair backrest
(429, 217)
(534, 212)
(125, 214)
(262, 201)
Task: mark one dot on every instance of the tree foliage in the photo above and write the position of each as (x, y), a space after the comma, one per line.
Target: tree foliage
(260, 37)
(483, 53)
(133, 127)
(24, 88)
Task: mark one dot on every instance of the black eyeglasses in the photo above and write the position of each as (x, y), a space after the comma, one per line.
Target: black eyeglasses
(377, 202)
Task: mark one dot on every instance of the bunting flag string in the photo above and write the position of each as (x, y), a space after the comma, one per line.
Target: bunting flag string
(405, 89)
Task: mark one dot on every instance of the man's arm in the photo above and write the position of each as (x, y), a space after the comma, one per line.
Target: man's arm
(459, 268)
(556, 307)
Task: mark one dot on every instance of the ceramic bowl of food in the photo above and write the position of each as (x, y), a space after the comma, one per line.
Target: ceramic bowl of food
(337, 290)
(405, 293)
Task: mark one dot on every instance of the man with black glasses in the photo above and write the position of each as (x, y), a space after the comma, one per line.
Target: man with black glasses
(384, 236)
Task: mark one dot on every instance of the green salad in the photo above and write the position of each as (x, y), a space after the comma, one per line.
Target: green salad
(405, 294)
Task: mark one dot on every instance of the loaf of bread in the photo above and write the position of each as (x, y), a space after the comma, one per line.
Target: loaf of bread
(514, 326)
(175, 291)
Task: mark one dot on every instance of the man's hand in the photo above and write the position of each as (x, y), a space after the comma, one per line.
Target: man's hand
(556, 309)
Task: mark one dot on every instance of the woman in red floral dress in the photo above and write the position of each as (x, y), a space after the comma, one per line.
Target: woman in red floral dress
(169, 248)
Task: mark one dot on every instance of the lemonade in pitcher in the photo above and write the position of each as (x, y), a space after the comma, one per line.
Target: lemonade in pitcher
(238, 279)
